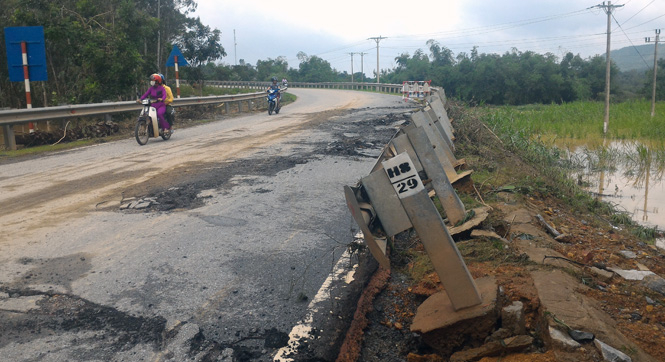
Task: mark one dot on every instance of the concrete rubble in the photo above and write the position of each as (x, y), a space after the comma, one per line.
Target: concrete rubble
(562, 340)
(611, 354)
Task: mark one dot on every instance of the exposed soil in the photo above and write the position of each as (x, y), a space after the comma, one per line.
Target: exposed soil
(633, 316)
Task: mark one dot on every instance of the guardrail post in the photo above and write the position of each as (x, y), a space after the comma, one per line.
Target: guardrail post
(442, 186)
(362, 216)
(440, 246)
(385, 202)
(227, 108)
(437, 143)
(10, 139)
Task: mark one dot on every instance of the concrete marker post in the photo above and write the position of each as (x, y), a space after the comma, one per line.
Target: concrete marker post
(444, 130)
(403, 144)
(446, 258)
(451, 203)
(9, 137)
(442, 117)
(446, 141)
(437, 144)
(377, 247)
(385, 202)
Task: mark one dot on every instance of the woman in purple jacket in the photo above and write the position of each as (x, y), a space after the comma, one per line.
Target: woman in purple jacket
(157, 91)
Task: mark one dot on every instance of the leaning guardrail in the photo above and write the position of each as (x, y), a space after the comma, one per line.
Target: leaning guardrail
(417, 164)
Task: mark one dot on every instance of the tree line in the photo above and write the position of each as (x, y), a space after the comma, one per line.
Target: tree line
(103, 50)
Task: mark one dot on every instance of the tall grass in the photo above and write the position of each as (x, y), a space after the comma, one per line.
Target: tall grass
(584, 120)
(533, 131)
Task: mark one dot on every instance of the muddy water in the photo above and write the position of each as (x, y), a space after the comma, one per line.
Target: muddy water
(628, 175)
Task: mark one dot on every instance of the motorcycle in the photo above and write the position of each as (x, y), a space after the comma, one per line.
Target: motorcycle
(273, 101)
(147, 125)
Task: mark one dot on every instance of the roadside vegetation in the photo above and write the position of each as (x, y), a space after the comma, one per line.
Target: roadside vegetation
(524, 131)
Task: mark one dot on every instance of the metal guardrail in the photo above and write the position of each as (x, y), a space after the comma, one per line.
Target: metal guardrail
(9, 118)
(380, 87)
(19, 116)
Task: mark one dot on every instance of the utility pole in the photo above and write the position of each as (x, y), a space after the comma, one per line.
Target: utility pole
(352, 66)
(655, 70)
(362, 69)
(377, 39)
(235, 48)
(608, 10)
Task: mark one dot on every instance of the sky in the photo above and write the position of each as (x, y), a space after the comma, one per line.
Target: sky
(333, 29)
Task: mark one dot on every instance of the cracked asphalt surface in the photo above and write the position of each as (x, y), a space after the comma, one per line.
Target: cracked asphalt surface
(246, 219)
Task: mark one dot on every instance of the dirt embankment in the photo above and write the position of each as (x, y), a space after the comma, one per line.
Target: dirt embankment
(564, 284)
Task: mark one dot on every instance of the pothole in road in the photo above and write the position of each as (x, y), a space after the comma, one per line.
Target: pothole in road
(88, 323)
(360, 133)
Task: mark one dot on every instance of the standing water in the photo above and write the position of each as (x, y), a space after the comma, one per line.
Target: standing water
(628, 175)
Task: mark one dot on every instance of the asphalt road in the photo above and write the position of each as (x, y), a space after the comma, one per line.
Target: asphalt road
(239, 255)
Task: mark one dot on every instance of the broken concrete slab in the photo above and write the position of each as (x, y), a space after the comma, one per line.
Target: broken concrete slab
(494, 348)
(480, 215)
(445, 329)
(632, 274)
(603, 275)
(655, 283)
(562, 295)
(610, 353)
(561, 340)
(628, 254)
(519, 216)
(478, 234)
(660, 243)
(512, 318)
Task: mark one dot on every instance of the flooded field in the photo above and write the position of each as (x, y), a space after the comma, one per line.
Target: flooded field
(627, 174)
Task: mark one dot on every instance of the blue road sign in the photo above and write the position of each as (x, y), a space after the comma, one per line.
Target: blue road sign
(33, 36)
(182, 62)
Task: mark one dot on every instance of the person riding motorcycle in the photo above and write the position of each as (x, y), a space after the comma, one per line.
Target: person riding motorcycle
(168, 101)
(274, 85)
(158, 92)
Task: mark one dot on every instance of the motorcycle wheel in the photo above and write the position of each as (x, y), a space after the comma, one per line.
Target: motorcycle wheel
(271, 107)
(166, 135)
(141, 132)
(277, 109)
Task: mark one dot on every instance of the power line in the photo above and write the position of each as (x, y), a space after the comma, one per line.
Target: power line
(646, 6)
(631, 43)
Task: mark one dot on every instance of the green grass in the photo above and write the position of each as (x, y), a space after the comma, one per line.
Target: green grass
(529, 131)
(583, 120)
(30, 151)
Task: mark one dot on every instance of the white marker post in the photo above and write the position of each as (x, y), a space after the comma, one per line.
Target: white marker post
(26, 77)
(177, 77)
(440, 246)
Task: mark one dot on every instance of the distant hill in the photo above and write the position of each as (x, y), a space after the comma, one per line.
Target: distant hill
(636, 58)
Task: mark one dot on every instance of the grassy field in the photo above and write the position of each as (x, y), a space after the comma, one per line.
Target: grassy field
(581, 121)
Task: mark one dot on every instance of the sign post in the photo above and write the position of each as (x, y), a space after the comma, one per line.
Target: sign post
(176, 59)
(26, 58)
